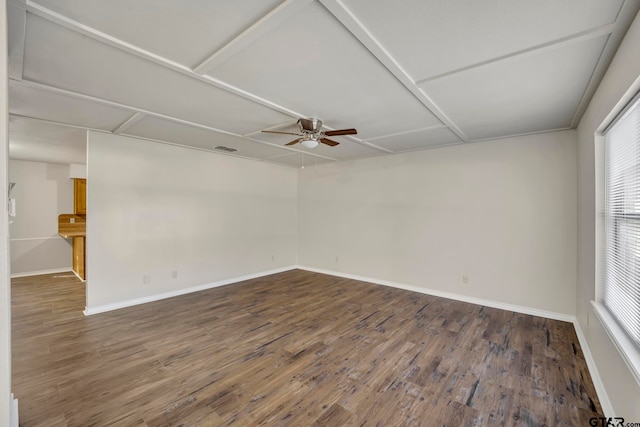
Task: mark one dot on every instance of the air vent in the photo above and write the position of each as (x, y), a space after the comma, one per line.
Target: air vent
(223, 148)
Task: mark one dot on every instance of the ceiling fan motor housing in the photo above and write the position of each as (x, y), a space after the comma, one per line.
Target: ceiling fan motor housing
(310, 125)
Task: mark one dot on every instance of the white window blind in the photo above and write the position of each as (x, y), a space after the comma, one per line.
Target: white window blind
(621, 284)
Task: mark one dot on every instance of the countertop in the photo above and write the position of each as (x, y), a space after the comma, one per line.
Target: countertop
(72, 234)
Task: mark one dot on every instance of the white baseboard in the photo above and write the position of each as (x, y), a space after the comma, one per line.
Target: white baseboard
(464, 298)
(597, 381)
(78, 276)
(591, 365)
(39, 272)
(15, 418)
(607, 408)
(88, 311)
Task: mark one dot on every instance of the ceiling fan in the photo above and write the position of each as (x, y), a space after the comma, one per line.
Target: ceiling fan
(311, 133)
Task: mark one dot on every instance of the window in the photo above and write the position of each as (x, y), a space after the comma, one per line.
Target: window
(621, 282)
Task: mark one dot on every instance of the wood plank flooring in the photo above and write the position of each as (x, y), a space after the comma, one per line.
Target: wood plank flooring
(291, 349)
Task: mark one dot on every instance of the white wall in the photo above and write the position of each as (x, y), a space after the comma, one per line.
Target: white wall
(153, 209)
(78, 170)
(502, 212)
(42, 192)
(623, 74)
(8, 415)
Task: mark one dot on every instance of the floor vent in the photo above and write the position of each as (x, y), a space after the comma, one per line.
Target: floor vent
(223, 148)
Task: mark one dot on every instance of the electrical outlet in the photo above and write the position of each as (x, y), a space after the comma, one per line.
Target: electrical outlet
(146, 279)
(72, 220)
(174, 274)
(465, 279)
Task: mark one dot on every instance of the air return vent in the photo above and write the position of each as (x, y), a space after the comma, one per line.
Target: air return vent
(223, 148)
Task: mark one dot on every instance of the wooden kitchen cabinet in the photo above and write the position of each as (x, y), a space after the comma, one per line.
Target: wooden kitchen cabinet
(73, 226)
(78, 256)
(79, 196)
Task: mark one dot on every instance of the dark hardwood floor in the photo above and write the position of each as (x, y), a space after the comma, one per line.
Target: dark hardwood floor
(296, 348)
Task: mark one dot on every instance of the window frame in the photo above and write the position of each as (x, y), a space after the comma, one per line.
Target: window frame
(626, 346)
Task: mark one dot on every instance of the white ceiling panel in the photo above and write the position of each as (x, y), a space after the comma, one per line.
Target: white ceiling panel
(185, 31)
(41, 104)
(424, 138)
(298, 160)
(39, 141)
(59, 57)
(521, 95)
(486, 69)
(16, 22)
(430, 38)
(313, 65)
(163, 130)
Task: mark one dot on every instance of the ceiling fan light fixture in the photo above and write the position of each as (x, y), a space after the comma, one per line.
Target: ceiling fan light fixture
(311, 134)
(309, 143)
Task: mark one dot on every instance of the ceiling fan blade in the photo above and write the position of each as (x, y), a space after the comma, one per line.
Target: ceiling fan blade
(283, 133)
(295, 141)
(341, 132)
(329, 142)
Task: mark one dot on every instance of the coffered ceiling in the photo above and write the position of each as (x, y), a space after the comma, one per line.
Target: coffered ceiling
(408, 74)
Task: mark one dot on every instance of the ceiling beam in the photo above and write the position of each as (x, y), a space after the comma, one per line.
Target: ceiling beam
(53, 122)
(84, 97)
(135, 118)
(292, 151)
(107, 39)
(370, 145)
(267, 160)
(68, 125)
(265, 24)
(17, 14)
(407, 132)
(360, 32)
(348, 19)
(139, 114)
(622, 23)
(600, 31)
(517, 135)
